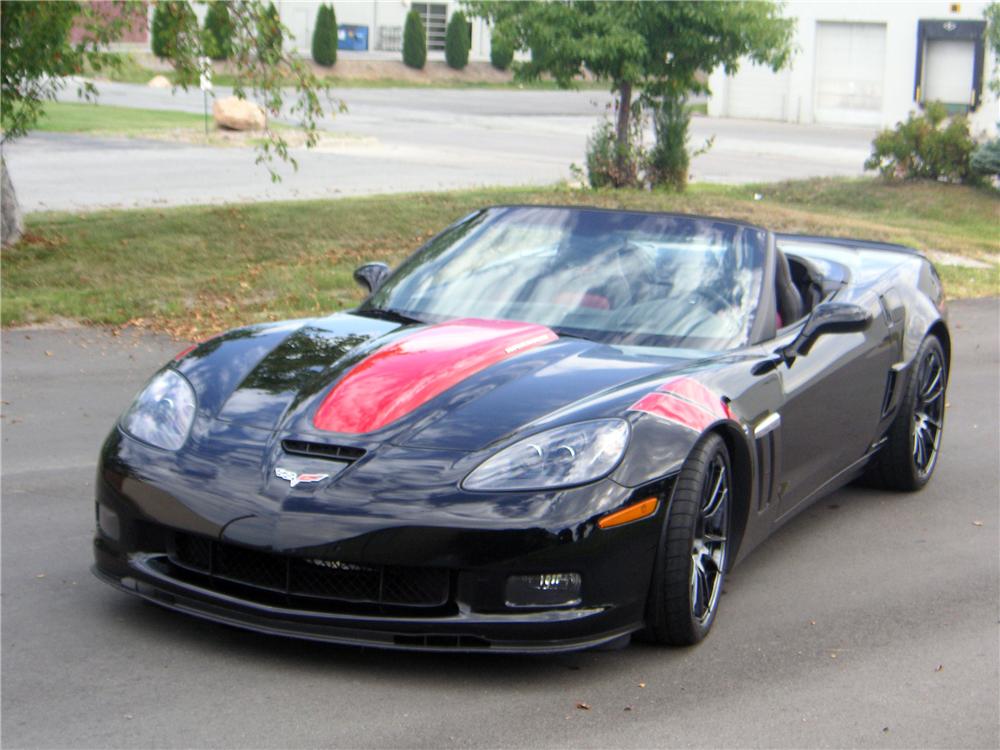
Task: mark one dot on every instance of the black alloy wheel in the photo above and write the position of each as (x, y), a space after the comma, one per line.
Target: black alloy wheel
(691, 564)
(907, 460)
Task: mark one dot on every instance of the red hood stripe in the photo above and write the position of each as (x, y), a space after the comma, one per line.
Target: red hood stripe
(695, 392)
(686, 402)
(412, 370)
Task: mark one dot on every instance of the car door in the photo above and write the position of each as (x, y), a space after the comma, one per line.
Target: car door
(832, 398)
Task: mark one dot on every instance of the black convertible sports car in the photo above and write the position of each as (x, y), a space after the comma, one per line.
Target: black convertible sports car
(549, 428)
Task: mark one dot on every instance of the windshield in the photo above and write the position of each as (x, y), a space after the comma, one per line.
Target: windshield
(611, 276)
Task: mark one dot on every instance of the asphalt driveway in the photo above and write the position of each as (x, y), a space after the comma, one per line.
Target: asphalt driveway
(870, 621)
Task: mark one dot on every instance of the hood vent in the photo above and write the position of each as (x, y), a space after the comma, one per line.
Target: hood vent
(322, 450)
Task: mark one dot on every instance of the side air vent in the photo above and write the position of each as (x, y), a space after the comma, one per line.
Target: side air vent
(890, 390)
(322, 450)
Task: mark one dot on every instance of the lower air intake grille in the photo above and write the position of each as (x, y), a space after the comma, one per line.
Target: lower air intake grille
(311, 577)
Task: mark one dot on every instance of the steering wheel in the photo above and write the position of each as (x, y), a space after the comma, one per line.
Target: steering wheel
(716, 302)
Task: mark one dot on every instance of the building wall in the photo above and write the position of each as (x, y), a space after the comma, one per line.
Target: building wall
(300, 17)
(885, 33)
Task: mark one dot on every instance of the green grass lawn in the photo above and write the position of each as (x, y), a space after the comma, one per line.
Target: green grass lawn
(160, 124)
(103, 119)
(193, 271)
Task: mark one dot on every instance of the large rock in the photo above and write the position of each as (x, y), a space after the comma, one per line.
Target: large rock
(233, 113)
(159, 82)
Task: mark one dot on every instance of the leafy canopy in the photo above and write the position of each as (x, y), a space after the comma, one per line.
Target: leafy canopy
(36, 54)
(992, 15)
(657, 47)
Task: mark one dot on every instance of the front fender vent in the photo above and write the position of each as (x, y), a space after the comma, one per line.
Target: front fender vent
(322, 450)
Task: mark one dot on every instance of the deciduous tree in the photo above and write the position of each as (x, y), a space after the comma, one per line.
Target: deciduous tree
(38, 56)
(653, 49)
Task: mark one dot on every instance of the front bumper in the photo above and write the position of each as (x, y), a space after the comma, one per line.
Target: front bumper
(363, 522)
(147, 575)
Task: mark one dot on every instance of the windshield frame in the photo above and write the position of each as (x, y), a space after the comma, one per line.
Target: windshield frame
(755, 324)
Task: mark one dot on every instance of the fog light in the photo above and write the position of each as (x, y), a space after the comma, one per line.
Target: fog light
(107, 522)
(543, 590)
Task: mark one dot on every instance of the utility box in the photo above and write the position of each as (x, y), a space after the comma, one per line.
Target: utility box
(352, 37)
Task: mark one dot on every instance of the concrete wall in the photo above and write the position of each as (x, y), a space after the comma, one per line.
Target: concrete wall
(797, 85)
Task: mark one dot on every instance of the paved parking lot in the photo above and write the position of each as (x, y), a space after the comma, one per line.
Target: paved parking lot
(398, 140)
(870, 621)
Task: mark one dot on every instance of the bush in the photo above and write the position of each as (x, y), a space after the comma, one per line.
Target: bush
(501, 51)
(457, 42)
(670, 159)
(927, 146)
(414, 41)
(217, 37)
(610, 164)
(986, 159)
(270, 39)
(324, 42)
(169, 17)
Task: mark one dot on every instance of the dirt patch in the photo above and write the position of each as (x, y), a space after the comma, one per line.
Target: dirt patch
(354, 69)
(433, 72)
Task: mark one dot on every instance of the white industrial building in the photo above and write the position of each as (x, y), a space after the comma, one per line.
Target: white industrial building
(382, 22)
(856, 63)
(870, 64)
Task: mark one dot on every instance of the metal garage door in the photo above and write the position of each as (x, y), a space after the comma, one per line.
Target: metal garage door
(757, 92)
(948, 72)
(850, 72)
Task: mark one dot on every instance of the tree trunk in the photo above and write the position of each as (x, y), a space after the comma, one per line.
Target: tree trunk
(622, 152)
(11, 222)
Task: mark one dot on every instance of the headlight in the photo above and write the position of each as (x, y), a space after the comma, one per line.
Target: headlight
(163, 413)
(560, 457)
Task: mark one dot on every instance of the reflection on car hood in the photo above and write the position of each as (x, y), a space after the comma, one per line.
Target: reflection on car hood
(498, 377)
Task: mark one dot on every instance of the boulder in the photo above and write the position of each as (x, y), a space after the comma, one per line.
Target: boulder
(233, 113)
(159, 82)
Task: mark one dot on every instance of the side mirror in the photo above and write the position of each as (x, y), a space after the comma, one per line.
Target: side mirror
(371, 275)
(828, 317)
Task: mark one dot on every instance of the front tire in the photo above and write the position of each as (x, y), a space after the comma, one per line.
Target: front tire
(906, 462)
(691, 563)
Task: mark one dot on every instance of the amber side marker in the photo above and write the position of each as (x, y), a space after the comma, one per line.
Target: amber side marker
(634, 512)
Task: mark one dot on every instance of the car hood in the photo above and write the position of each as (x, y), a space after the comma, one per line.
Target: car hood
(462, 385)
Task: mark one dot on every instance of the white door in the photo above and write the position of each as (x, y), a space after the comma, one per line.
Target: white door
(850, 73)
(948, 69)
(757, 92)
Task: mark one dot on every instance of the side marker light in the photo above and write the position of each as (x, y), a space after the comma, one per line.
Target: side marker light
(634, 512)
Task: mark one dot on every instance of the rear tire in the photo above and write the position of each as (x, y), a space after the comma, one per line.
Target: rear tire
(907, 461)
(691, 563)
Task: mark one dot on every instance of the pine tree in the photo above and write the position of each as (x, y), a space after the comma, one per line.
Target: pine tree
(218, 34)
(457, 42)
(169, 16)
(414, 41)
(324, 41)
(501, 51)
(270, 37)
